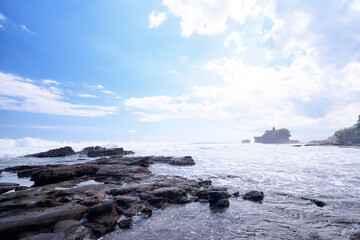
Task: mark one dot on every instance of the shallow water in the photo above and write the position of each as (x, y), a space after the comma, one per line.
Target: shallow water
(284, 173)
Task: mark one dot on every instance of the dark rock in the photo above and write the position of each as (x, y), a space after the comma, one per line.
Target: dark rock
(217, 197)
(5, 187)
(171, 194)
(236, 194)
(355, 236)
(126, 223)
(22, 188)
(59, 174)
(26, 200)
(59, 152)
(125, 201)
(315, 201)
(146, 212)
(67, 226)
(88, 195)
(179, 161)
(205, 183)
(17, 226)
(121, 172)
(55, 236)
(203, 194)
(222, 203)
(102, 218)
(216, 194)
(102, 152)
(254, 196)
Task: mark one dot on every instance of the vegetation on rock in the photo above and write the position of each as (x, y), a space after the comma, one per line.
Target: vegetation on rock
(274, 136)
(349, 136)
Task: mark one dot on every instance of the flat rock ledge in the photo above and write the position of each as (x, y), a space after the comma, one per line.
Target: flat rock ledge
(90, 200)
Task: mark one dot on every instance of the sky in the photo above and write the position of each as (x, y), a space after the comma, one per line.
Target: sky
(178, 70)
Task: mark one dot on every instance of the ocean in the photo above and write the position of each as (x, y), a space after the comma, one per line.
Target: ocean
(284, 173)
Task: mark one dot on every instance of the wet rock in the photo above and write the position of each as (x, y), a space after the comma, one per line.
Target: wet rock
(236, 194)
(217, 197)
(67, 226)
(59, 152)
(88, 195)
(5, 187)
(130, 205)
(203, 194)
(216, 194)
(254, 196)
(121, 172)
(126, 223)
(22, 188)
(355, 236)
(179, 161)
(102, 218)
(102, 152)
(222, 203)
(171, 194)
(59, 174)
(205, 183)
(126, 201)
(25, 200)
(17, 226)
(55, 236)
(315, 201)
(146, 212)
(121, 191)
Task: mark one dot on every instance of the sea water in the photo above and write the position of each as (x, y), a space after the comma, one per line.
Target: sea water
(284, 173)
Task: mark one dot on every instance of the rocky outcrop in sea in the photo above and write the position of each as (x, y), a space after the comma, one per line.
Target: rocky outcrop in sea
(92, 199)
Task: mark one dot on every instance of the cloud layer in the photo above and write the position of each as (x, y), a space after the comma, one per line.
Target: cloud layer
(22, 94)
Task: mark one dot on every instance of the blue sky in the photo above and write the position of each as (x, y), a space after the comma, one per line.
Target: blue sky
(178, 70)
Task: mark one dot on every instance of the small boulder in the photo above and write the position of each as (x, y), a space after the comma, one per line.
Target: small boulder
(171, 194)
(254, 196)
(126, 223)
(222, 203)
(146, 212)
(102, 218)
(315, 201)
(59, 152)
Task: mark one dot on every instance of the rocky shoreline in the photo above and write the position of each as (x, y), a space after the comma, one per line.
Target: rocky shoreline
(91, 199)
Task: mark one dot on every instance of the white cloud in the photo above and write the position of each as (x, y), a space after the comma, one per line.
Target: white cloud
(48, 82)
(290, 31)
(2, 17)
(175, 72)
(84, 95)
(156, 20)
(26, 29)
(183, 59)
(209, 17)
(259, 96)
(95, 87)
(21, 94)
(355, 5)
(132, 131)
(146, 117)
(236, 38)
(108, 92)
(1, 26)
(51, 127)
